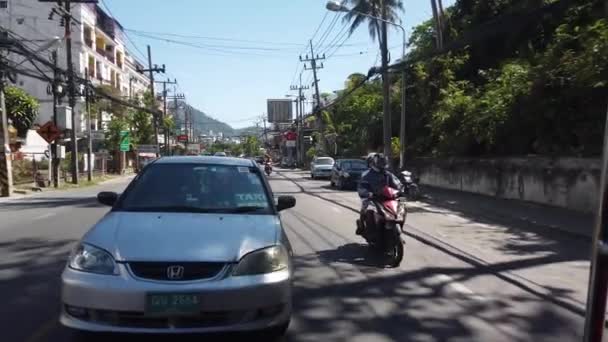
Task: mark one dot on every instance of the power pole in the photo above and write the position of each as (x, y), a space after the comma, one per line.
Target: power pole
(87, 99)
(175, 110)
(299, 115)
(67, 19)
(55, 145)
(386, 100)
(151, 70)
(6, 169)
(314, 67)
(166, 130)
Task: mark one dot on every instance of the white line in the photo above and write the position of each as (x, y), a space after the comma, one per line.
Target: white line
(44, 216)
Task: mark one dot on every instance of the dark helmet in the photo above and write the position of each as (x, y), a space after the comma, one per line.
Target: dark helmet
(379, 162)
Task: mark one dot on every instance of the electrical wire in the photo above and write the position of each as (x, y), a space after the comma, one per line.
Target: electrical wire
(327, 31)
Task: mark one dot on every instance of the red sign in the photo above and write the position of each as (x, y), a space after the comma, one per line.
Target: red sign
(49, 132)
(182, 138)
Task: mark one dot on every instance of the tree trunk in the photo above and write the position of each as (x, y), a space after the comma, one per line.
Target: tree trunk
(386, 104)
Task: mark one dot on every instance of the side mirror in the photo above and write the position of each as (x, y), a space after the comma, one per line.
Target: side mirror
(107, 198)
(286, 202)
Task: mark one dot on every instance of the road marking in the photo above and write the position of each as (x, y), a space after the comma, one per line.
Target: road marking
(43, 330)
(453, 285)
(44, 216)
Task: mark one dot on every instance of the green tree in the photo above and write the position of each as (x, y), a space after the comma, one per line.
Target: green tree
(22, 109)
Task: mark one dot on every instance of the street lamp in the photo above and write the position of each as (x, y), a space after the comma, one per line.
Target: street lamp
(337, 6)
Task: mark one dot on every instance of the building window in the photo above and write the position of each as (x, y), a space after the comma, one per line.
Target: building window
(3, 4)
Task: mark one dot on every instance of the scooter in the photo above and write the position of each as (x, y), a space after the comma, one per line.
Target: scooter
(268, 168)
(390, 215)
(410, 184)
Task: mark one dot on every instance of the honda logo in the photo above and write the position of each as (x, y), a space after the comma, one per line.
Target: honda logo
(175, 272)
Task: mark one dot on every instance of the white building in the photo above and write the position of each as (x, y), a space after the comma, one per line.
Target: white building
(98, 46)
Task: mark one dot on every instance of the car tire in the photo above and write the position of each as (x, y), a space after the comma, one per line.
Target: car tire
(312, 176)
(340, 184)
(331, 182)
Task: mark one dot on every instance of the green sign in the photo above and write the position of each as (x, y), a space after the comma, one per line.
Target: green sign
(125, 141)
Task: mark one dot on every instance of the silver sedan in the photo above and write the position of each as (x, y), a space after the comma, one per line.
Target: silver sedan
(193, 245)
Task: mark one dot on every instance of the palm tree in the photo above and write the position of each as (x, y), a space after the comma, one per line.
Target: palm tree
(370, 10)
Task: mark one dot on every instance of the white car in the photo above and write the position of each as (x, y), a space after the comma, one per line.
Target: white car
(220, 154)
(321, 167)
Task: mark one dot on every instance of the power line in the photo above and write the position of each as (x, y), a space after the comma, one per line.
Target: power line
(314, 35)
(212, 38)
(327, 31)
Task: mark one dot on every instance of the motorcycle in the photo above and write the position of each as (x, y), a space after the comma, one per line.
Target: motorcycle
(390, 215)
(410, 183)
(268, 168)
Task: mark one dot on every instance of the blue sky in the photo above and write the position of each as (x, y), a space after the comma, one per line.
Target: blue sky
(252, 48)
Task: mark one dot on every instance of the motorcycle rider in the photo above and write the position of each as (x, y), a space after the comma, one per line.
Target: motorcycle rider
(372, 181)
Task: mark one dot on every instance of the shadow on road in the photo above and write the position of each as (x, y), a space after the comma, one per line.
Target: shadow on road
(29, 283)
(353, 253)
(413, 306)
(51, 202)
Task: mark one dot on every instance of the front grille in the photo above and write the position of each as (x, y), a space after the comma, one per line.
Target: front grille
(140, 320)
(191, 270)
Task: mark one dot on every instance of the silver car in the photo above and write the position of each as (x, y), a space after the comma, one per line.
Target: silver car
(321, 167)
(193, 245)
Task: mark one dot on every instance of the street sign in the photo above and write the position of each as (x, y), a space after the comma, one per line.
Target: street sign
(290, 143)
(147, 149)
(98, 135)
(182, 138)
(125, 141)
(49, 132)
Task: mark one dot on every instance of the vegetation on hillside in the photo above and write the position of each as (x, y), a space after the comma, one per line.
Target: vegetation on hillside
(532, 79)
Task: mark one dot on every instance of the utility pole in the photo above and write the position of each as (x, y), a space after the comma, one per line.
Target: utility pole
(55, 146)
(151, 70)
(6, 169)
(166, 130)
(265, 131)
(67, 19)
(314, 67)
(299, 116)
(87, 100)
(67, 22)
(386, 100)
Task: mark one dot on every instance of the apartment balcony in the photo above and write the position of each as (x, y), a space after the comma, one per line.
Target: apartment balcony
(89, 42)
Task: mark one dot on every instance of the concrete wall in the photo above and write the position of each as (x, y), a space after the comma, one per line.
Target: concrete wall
(565, 182)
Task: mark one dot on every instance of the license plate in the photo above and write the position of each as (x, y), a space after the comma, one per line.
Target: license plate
(173, 304)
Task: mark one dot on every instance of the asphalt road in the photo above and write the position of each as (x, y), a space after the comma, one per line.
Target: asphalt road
(440, 292)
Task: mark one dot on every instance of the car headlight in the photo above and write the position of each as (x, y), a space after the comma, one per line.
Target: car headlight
(345, 174)
(87, 258)
(267, 260)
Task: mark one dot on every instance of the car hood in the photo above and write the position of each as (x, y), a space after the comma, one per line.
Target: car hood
(323, 167)
(131, 236)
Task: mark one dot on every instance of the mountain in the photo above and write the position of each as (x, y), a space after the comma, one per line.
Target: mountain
(251, 130)
(203, 122)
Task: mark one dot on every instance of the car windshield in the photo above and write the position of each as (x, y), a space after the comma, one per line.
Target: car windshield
(324, 161)
(197, 188)
(354, 165)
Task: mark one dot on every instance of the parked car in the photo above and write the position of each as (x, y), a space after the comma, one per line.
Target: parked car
(346, 173)
(193, 245)
(321, 167)
(220, 154)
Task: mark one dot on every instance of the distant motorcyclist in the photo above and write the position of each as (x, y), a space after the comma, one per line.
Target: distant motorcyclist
(372, 181)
